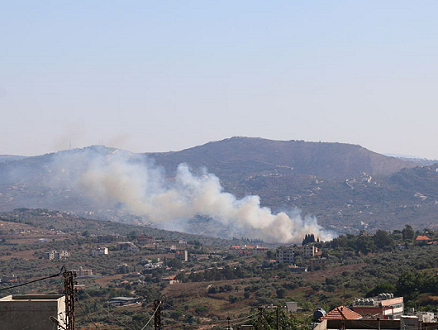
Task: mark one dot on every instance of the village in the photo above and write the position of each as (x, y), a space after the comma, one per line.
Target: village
(122, 276)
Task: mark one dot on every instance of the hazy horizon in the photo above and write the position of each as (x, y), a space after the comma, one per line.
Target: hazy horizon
(151, 76)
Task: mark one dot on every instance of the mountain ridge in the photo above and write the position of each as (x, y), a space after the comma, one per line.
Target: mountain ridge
(256, 155)
(344, 185)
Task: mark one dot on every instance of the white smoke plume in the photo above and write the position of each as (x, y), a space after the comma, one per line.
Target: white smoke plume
(133, 181)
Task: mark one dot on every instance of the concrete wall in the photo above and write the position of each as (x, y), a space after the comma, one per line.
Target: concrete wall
(32, 312)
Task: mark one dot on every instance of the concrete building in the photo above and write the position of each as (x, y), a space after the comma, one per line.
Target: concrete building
(182, 255)
(81, 272)
(317, 263)
(247, 250)
(100, 251)
(56, 255)
(384, 306)
(34, 312)
(129, 246)
(296, 269)
(291, 306)
(310, 251)
(285, 254)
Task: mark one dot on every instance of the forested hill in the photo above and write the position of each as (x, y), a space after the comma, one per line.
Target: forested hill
(237, 157)
(347, 187)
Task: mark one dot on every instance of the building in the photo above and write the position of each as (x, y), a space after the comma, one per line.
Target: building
(422, 240)
(55, 255)
(123, 269)
(291, 306)
(169, 279)
(285, 254)
(384, 306)
(123, 301)
(317, 263)
(310, 251)
(81, 272)
(99, 251)
(144, 240)
(296, 269)
(341, 313)
(36, 312)
(247, 250)
(182, 255)
(128, 246)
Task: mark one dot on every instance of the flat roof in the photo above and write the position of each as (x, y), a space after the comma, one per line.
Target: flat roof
(28, 297)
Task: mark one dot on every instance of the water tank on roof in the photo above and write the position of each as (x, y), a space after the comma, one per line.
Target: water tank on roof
(317, 314)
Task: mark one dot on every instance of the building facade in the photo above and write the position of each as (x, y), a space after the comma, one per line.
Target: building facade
(36, 312)
(285, 254)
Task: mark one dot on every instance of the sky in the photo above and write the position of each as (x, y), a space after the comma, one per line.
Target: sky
(149, 76)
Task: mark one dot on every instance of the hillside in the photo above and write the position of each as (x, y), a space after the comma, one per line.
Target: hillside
(347, 187)
(371, 203)
(233, 158)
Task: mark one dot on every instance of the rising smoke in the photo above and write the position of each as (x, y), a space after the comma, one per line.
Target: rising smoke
(135, 182)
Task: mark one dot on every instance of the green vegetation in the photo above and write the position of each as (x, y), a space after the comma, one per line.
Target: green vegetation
(216, 284)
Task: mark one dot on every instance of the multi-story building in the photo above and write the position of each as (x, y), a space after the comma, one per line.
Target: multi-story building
(285, 254)
(310, 251)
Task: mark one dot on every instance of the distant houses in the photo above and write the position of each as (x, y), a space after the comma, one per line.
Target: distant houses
(56, 255)
(246, 250)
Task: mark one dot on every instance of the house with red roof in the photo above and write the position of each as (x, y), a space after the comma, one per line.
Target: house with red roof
(422, 240)
(341, 313)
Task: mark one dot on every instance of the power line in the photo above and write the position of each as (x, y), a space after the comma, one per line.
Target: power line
(108, 312)
(33, 281)
(159, 304)
(88, 316)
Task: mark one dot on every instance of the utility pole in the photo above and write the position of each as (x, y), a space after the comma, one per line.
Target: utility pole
(69, 289)
(157, 316)
(260, 325)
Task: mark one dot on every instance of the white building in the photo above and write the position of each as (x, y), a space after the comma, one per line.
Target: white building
(99, 251)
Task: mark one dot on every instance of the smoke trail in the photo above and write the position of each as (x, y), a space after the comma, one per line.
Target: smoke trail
(135, 182)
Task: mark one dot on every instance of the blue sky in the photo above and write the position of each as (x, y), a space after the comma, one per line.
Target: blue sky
(167, 75)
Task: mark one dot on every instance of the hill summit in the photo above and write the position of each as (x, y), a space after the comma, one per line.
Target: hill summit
(230, 158)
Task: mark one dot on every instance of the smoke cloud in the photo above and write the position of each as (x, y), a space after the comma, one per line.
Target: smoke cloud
(143, 188)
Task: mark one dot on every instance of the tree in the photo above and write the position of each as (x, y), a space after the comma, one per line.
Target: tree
(382, 239)
(309, 238)
(281, 293)
(381, 288)
(408, 233)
